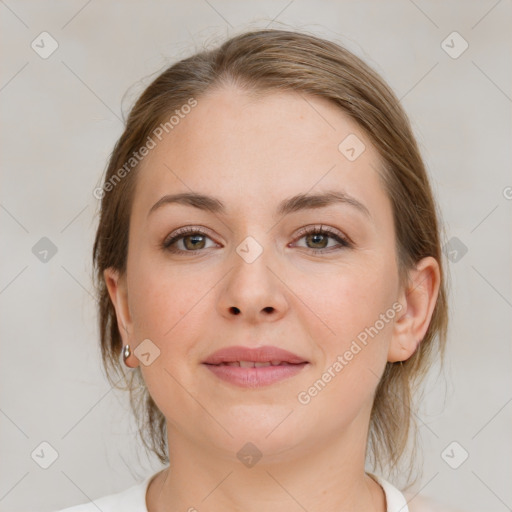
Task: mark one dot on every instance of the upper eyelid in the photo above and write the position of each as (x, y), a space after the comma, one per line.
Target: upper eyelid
(321, 228)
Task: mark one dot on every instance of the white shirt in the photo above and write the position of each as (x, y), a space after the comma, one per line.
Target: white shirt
(133, 499)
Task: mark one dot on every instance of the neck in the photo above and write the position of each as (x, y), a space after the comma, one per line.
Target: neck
(327, 475)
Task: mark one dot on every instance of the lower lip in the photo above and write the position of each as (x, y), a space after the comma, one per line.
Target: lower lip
(255, 377)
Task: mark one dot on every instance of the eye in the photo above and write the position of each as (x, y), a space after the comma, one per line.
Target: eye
(192, 239)
(318, 237)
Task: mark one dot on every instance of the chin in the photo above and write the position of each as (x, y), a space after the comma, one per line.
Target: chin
(276, 432)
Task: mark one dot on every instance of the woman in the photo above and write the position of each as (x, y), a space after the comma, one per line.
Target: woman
(269, 267)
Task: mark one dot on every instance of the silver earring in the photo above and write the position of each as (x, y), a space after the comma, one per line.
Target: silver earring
(126, 353)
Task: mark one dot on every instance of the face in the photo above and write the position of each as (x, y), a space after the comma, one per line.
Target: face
(312, 293)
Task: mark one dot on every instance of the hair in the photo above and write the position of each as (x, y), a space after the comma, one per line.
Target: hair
(264, 61)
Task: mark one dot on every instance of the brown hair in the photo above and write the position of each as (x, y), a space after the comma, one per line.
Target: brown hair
(260, 61)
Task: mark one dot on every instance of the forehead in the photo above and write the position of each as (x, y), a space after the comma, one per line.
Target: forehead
(255, 150)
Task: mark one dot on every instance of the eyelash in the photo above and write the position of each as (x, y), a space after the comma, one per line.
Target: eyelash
(310, 230)
(315, 230)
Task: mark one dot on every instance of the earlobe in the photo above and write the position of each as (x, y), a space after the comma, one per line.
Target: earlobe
(419, 300)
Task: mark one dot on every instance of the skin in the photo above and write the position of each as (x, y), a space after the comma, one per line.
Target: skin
(251, 153)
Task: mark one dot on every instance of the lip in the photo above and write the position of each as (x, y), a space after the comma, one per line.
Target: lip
(259, 354)
(253, 377)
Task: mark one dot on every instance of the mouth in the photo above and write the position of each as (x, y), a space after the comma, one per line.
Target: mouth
(254, 367)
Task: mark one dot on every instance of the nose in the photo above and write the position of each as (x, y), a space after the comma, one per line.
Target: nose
(253, 289)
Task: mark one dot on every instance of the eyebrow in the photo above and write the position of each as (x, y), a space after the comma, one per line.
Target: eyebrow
(293, 204)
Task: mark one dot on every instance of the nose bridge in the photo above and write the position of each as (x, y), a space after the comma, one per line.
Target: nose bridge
(250, 249)
(252, 288)
(252, 259)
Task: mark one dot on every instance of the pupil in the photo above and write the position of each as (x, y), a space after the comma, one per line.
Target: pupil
(193, 239)
(315, 236)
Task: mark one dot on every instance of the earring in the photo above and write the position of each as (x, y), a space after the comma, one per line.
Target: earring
(126, 353)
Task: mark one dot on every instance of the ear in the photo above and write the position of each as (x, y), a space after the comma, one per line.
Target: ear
(118, 292)
(419, 299)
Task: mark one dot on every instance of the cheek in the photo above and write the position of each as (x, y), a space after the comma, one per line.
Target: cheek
(167, 309)
(350, 298)
(352, 352)
(159, 302)
(353, 319)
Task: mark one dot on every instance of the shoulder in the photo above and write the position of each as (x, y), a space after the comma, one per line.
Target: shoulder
(409, 501)
(132, 499)
(85, 507)
(419, 503)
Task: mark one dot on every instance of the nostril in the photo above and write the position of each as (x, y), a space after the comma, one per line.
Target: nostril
(234, 310)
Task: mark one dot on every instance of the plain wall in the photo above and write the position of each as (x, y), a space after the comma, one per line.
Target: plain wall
(60, 119)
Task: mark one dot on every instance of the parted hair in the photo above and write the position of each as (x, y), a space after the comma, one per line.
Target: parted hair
(258, 62)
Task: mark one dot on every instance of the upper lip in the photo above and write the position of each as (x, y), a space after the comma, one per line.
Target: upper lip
(258, 355)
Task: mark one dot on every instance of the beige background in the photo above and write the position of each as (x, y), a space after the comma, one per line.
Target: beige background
(60, 118)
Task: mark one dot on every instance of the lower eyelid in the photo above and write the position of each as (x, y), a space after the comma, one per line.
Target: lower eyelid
(340, 244)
